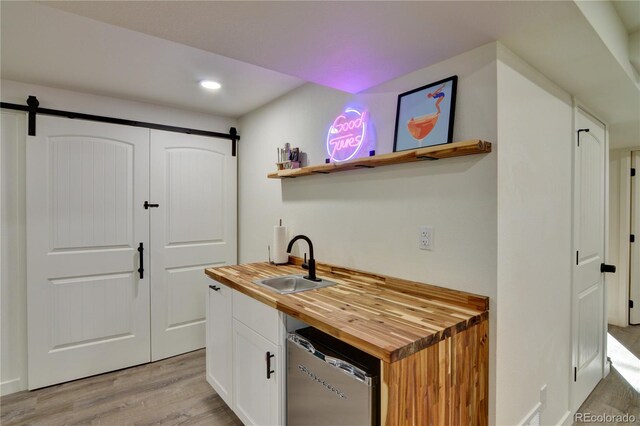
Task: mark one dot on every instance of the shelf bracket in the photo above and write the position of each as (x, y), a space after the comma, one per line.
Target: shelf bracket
(426, 157)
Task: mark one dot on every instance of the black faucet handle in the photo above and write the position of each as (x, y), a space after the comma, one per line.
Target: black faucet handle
(312, 271)
(305, 265)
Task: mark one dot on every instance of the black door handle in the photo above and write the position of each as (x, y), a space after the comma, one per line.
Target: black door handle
(213, 287)
(268, 356)
(607, 268)
(141, 256)
(148, 205)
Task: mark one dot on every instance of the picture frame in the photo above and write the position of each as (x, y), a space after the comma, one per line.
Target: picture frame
(425, 116)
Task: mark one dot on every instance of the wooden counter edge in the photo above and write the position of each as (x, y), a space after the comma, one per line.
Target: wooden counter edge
(242, 289)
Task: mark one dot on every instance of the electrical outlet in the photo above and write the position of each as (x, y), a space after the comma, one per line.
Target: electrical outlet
(425, 241)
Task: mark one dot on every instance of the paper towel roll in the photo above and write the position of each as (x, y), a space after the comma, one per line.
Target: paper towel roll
(280, 242)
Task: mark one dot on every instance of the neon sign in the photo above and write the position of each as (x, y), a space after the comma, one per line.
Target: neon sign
(347, 135)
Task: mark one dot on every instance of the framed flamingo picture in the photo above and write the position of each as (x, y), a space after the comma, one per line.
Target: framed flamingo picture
(425, 115)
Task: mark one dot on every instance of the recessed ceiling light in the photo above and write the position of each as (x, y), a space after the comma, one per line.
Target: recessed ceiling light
(211, 85)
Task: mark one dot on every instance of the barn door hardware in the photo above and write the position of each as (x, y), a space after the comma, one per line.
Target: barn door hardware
(33, 108)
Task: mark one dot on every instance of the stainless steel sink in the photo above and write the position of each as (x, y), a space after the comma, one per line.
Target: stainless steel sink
(292, 284)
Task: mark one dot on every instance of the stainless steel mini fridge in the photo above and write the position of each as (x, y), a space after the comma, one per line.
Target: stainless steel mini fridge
(330, 382)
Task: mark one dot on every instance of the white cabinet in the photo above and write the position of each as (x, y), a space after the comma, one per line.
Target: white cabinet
(245, 355)
(220, 341)
(256, 377)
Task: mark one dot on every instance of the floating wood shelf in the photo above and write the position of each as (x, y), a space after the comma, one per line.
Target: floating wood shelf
(456, 149)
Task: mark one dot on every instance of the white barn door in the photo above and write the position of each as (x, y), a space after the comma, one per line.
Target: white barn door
(193, 181)
(588, 326)
(88, 306)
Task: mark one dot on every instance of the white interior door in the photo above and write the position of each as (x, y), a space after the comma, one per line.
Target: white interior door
(589, 237)
(88, 307)
(193, 179)
(634, 279)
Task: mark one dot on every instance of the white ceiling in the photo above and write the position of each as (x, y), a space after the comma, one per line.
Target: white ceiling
(347, 45)
(42, 45)
(629, 12)
(168, 46)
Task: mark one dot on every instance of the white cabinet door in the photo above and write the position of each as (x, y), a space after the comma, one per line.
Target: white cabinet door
(256, 377)
(193, 179)
(88, 307)
(220, 341)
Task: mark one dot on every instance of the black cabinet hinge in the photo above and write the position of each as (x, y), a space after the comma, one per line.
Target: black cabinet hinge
(632, 238)
(630, 304)
(633, 172)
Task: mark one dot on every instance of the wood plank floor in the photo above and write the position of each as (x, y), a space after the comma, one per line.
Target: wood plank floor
(172, 391)
(614, 395)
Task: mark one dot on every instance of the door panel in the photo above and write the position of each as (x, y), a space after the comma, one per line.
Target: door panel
(91, 190)
(184, 292)
(588, 295)
(105, 300)
(88, 309)
(634, 278)
(193, 179)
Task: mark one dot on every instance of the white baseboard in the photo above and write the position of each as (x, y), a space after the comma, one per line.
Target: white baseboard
(535, 410)
(12, 386)
(566, 420)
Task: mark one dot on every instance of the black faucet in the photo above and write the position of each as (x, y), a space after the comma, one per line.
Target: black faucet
(312, 261)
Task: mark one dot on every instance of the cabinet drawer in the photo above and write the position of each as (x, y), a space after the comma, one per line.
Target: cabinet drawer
(261, 318)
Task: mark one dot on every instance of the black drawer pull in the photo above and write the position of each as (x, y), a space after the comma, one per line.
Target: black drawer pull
(213, 287)
(268, 357)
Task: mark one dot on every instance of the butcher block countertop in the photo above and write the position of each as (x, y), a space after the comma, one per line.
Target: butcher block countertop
(389, 318)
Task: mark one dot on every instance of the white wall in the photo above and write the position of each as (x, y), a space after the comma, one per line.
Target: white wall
(13, 313)
(534, 242)
(369, 219)
(17, 93)
(13, 300)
